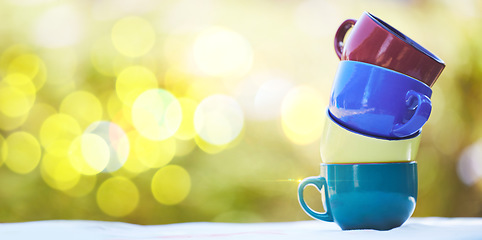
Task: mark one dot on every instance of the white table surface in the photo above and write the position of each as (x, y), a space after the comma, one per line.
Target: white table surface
(414, 228)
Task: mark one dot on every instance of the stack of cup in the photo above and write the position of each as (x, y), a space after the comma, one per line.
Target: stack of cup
(379, 102)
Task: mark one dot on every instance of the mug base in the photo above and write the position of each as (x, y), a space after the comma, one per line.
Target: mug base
(368, 227)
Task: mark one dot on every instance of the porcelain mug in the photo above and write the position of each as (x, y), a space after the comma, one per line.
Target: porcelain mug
(342, 145)
(376, 42)
(377, 196)
(379, 102)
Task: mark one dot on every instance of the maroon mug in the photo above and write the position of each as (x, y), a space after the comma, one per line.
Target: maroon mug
(374, 41)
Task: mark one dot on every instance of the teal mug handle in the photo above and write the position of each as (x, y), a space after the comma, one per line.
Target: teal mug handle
(419, 118)
(318, 182)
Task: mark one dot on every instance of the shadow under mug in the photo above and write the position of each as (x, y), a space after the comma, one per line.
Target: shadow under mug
(365, 196)
(376, 42)
(378, 101)
(341, 145)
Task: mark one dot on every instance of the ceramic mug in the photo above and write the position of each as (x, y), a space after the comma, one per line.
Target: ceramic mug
(342, 145)
(377, 196)
(374, 41)
(378, 101)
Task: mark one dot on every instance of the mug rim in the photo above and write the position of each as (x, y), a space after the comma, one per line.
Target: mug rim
(391, 71)
(370, 163)
(404, 38)
(399, 150)
(335, 121)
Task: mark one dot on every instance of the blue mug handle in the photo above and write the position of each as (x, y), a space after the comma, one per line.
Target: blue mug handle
(320, 183)
(419, 118)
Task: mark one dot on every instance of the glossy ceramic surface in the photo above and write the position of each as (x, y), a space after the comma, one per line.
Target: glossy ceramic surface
(341, 145)
(379, 102)
(374, 41)
(365, 196)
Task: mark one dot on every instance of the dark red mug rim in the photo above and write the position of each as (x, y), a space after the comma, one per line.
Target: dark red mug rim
(404, 38)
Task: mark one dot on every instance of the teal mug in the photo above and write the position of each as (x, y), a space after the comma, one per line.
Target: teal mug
(377, 196)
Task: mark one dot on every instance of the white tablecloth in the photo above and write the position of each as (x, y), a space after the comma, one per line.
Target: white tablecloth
(414, 228)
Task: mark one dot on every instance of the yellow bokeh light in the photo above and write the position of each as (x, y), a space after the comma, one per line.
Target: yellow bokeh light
(133, 81)
(119, 113)
(218, 119)
(222, 52)
(171, 185)
(184, 147)
(17, 95)
(9, 54)
(208, 147)
(186, 130)
(3, 150)
(111, 143)
(57, 172)
(154, 154)
(213, 148)
(89, 154)
(133, 165)
(156, 114)
(177, 82)
(83, 106)
(11, 123)
(59, 127)
(114, 105)
(133, 36)
(203, 88)
(31, 66)
(117, 196)
(22, 152)
(302, 115)
(59, 147)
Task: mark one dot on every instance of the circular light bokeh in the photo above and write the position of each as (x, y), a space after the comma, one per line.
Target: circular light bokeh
(83, 106)
(302, 115)
(184, 147)
(105, 146)
(469, 166)
(9, 123)
(89, 154)
(154, 154)
(133, 36)
(133, 81)
(134, 165)
(31, 66)
(218, 119)
(171, 184)
(156, 114)
(22, 152)
(117, 196)
(222, 52)
(59, 127)
(3, 150)
(57, 171)
(186, 130)
(17, 95)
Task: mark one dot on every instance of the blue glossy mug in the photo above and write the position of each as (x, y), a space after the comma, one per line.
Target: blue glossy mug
(377, 196)
(377, 101)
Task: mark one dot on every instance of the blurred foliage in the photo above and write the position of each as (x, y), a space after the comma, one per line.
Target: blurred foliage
(169, 111)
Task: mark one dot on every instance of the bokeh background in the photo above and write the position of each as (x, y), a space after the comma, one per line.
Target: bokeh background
(169, 111)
